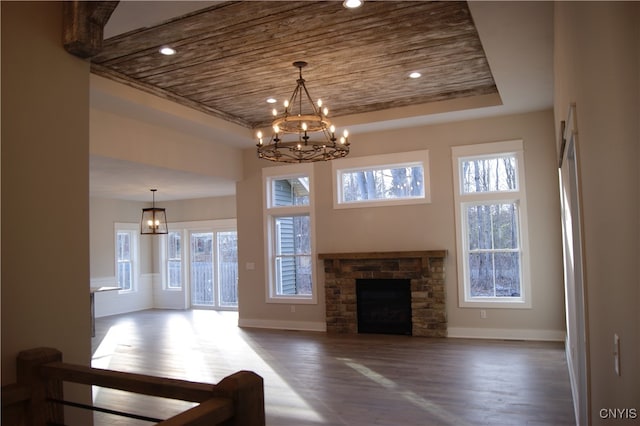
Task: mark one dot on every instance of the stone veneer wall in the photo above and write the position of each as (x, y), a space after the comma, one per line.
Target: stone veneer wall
(425, 269)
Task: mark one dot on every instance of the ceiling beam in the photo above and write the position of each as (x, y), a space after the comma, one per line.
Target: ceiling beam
(83, 26)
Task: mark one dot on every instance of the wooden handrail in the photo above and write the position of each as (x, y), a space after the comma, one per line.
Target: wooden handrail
(237, 400)
(129, 382)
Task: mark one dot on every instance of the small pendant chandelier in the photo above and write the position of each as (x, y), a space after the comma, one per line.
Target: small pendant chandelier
(154, 219)
(302, 133)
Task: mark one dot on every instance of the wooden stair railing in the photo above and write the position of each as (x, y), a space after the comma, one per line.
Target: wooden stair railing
(37, 398)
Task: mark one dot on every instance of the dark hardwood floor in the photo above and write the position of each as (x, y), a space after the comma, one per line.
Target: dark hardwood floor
(328, 379)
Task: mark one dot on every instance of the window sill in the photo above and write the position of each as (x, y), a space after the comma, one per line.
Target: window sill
(297, 300)
(493, 303)
(381, 203)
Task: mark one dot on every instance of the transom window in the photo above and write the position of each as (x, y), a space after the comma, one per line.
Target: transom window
(400, 178)
(289, 238)
(491, 225)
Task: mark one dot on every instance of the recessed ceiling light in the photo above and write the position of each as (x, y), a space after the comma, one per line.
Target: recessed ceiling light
(271, 100)
(352, 4)
(168, 51)
(415, 74)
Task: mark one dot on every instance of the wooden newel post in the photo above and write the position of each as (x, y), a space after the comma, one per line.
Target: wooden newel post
(246, 389)
(28, 373)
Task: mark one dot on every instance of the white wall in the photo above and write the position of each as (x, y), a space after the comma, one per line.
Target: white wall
(45, 187)
(597, 66)
(421, 227)
(120, 137)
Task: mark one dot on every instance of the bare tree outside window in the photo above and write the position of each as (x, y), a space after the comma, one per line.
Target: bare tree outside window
(383, 183)
(494, 267)
(492, 228)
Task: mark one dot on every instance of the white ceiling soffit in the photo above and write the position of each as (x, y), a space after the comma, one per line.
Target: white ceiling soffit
(124, 180)
(132, 15)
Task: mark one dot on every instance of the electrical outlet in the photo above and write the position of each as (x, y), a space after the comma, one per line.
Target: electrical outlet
(483, 314)
(616, 354)
(293, 308)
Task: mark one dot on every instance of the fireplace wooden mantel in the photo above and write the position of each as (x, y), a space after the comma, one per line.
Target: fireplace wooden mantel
(385, 255)
(425, 269)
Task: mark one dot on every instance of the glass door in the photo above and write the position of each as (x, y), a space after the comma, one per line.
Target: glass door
(201, 267)
(214, 269)
(227, 255)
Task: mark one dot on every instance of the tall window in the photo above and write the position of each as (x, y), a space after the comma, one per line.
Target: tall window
(126, 244)
(491, 225)
(289, 227)
(174, 260)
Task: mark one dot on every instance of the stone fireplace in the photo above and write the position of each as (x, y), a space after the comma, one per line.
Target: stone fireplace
(424, 269)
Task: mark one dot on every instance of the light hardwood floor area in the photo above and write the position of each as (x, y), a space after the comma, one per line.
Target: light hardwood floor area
(316, 378)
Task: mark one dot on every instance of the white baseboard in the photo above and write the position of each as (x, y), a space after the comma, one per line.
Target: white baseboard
(283, 325)
(506, 334)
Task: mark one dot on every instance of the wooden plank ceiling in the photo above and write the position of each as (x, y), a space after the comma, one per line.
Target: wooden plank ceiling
(232, 56)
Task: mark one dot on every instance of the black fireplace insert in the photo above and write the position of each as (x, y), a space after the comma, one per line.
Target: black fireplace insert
(384, 306)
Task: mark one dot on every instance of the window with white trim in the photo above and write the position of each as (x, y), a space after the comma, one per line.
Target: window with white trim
(491, 225)
(288, 215)
(126, 255)
(174, 275)
(382, 180)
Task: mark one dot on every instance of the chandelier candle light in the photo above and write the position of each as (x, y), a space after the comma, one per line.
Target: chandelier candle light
(292, 140)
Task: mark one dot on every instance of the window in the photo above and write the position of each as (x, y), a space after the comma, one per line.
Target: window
(392, 179)
(174, 260)
(289, 234)
(126, 244)
(491, 225)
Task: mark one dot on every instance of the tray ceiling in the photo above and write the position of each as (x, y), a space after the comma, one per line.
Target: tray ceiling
(232, 56)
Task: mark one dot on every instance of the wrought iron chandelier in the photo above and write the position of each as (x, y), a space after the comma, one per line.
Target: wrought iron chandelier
(302, 133)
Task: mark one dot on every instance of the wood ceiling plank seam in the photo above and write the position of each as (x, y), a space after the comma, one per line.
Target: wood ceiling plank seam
(240, 30)
(381, 69)
(198, 22)
(369, 102)
(117, 49)
(405, 101)
(373, 92)
(398, 103)
(459, 45)
(276, 16)
(307, 42)
(454, 94)
(153, 65)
